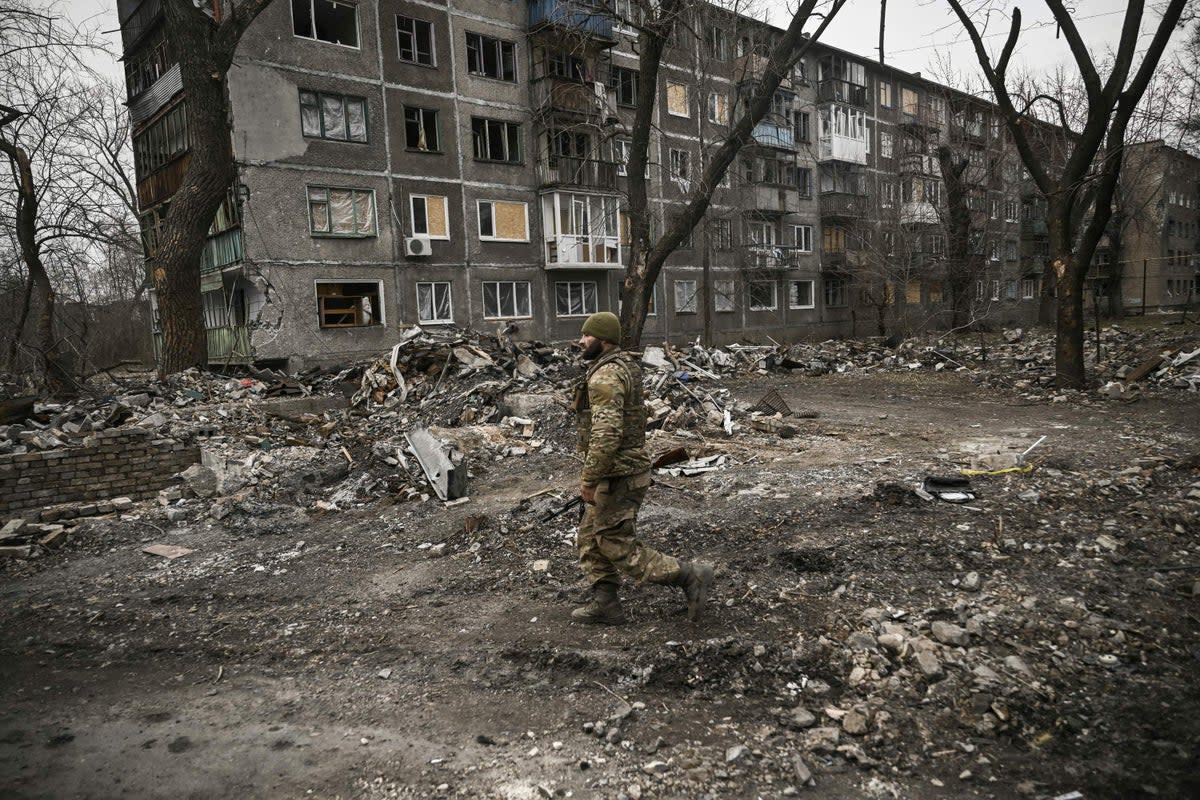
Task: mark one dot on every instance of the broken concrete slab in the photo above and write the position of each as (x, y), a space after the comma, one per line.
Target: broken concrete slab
(167, 551)
(448, 481)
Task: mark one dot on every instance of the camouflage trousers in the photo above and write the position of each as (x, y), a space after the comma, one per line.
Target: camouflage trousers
(607, 539)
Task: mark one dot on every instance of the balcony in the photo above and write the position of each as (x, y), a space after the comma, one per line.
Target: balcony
(832, 147)
(161, 184)
(573, 16)
(770, 134)
(841, 262)
(918, 212)
(1034, 227)
(776, 256)
(222, 250)
(918, 164)
(832, 90)
(572, 251)
(553, 93)
(139, 23)
(770, 198)
(843, 205)
(587, 173)
(921, 117)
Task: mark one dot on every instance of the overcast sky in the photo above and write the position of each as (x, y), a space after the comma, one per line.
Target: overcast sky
(918, 31)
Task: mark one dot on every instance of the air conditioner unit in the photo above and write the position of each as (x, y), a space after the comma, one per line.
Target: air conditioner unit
(417, 246)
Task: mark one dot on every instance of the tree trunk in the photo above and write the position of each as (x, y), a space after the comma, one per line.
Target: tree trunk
(1068, 274)
(958, 239)
(38, 288)
(634, 297)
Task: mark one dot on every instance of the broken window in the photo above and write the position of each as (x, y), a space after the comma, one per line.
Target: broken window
(496, 140)
(625, 83)
(800, 294)
(761, 295)
(415, 40)
(718, 108)
(503, 221)
(341, 212)
(720, 232)
(326, 21)
(679, 164)
(565, 65)
(685, 297)
(802, 237)
(421, 129)
(835, 292)
(333, 116)
(575, 298)
(162, 141)
(503, 299)
(433, 303)
(491, 58)
(349, 305)
(429, 216)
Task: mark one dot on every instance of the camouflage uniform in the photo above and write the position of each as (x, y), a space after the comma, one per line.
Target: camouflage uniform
(612, 437)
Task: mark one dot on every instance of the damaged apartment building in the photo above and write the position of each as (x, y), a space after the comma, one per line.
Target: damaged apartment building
(464, 163)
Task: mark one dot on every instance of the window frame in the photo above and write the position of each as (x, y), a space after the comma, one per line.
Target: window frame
(692, 304)
(582, 285)
(812, 294)
(492, 202)
(617, 82)
(485, 137)
(750, 305)
(331, 234)
(432, 62)
(449, 302)
(835, 289)
(437, 133)
(795, 239)
(320, 108)
(313, 18)
(412, 216)
(516, 66)
(378, 315)
(527, 285)
(687, 100)
(730, 296)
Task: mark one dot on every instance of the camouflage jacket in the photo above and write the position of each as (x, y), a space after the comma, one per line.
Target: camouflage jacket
(611, 418)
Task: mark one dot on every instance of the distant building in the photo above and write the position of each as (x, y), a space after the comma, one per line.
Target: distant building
(409, 162)
(1155, 259)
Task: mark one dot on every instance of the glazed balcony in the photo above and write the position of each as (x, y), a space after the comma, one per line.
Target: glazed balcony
(572, 16)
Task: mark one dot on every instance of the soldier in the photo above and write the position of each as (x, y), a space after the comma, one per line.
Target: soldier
(616, 474)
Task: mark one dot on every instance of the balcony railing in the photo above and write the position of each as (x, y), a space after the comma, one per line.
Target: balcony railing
(582, 250)
(842, 148)
(776, 256)
(844, 205)
(574, 15)
(555, 93)
(222, 250)
(229, 344)
(771, 134)
(584, 172)
(137, 24)
(921, 117)
(917, 164)
(833, 90)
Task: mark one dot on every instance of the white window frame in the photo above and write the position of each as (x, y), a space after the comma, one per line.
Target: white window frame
(583, 295)
(812, 294)
(1028, 288)
(449, 289)
(718, 108)
(728, 294)
(691, 304)
(687, 101)
(493, 238)
(774, 296)
(516, 286)
(802, 237)
(412, 215)
(379, 316)
(313, 16)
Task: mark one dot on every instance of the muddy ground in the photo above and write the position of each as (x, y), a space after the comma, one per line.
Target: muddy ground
(1036, 641)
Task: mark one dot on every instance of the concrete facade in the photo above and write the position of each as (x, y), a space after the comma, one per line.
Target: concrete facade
(450, 120)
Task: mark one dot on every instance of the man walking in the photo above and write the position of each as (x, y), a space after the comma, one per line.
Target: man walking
(611, 419)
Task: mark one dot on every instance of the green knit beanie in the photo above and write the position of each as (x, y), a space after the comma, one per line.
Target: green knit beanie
(604, 326)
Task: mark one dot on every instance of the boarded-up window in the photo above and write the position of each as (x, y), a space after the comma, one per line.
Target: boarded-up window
(912, 292)
(934, 289)
(677, 99)
(429, 216)
(503, 221)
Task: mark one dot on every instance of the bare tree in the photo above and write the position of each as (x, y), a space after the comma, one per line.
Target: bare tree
(51, 207)
(1078, 189)
(204, 39)
(655, 25)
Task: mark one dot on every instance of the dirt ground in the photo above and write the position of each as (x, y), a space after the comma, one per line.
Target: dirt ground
(411, 650)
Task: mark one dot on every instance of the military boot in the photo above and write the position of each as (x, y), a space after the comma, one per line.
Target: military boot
(696, 580)
(605, 608)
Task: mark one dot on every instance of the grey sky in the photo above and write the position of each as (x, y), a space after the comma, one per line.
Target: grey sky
(918, 31)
